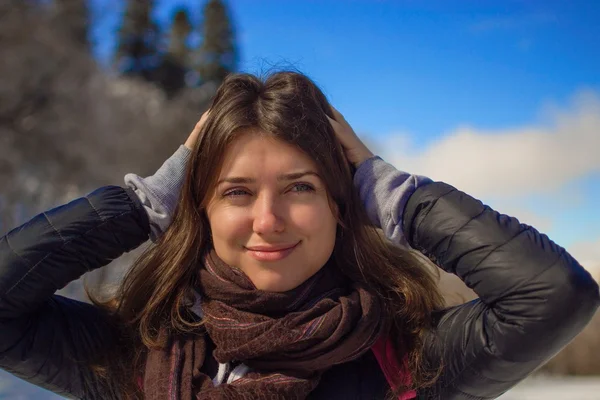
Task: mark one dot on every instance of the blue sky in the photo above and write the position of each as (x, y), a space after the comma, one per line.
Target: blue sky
(434, 74)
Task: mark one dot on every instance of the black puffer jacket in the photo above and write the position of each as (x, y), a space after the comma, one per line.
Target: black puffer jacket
(534, 297)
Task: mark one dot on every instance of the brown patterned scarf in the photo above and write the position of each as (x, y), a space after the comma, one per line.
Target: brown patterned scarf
(287, 339)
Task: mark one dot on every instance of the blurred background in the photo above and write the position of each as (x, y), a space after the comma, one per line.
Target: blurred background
(500, 99)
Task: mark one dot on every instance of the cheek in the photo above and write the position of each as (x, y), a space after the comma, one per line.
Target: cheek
(228, 225)
(316, 221)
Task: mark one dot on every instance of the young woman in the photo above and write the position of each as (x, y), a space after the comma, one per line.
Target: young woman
(269, 279)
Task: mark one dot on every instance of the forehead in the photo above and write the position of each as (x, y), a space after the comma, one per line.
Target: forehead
(259, 153)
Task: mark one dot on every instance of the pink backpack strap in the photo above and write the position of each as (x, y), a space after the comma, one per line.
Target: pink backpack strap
(383, 349)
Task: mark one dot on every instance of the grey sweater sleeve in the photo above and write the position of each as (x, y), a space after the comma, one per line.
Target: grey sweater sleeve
(159, 193)
(384, 191)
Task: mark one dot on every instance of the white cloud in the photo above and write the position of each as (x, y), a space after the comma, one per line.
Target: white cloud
(588, 255)
(524, 214)
(519, 161)
(519, 171)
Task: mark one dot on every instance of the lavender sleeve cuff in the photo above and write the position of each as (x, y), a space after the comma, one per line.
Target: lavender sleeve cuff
(159, 193)
(384, 192)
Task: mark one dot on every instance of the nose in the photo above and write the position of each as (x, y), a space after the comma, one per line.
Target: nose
(267, 216)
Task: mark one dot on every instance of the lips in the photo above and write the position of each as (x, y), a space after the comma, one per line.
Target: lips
(271, 253)
(272, 248)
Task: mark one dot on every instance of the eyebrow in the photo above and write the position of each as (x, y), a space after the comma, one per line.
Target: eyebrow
(286, 177)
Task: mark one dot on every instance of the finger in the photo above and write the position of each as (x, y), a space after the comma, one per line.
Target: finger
(204, 116)
(337, 130)
(337, 115)
(332, 121)
(202, 120)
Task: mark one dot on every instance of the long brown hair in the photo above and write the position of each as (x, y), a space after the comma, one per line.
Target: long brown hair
(290, 107)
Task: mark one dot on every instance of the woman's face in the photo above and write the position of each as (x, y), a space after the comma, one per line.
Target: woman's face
(269, 213)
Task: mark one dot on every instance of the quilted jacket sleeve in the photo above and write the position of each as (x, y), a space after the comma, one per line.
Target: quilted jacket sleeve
(46, 339)
(533, 296)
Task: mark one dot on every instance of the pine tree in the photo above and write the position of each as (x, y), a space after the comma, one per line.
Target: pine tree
(174, 64)
(178, 40)
(137, 52)
(218, 52)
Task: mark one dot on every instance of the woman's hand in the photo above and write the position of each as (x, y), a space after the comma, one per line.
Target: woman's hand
(191, 140)
(356, 151)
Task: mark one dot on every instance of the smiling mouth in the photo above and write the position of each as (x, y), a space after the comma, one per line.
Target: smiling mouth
(271, 253)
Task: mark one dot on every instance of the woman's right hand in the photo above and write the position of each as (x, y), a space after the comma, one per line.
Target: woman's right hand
(356, 151)
(191, 140)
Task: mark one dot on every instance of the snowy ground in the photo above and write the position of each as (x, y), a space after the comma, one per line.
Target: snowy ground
(537, 388)
(559, 388)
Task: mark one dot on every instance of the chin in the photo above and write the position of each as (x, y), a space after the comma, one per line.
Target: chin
(275, 285)
(272, 281)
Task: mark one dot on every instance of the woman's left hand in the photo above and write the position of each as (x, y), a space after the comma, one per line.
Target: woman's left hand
(356, 151)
